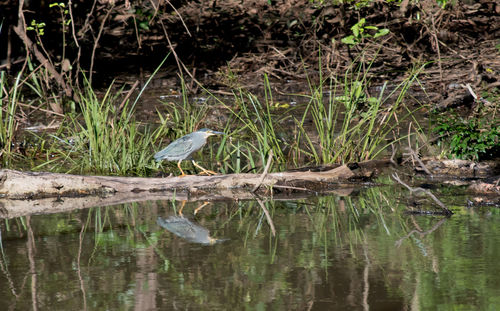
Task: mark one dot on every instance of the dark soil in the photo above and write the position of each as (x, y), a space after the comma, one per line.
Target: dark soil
(226, 44)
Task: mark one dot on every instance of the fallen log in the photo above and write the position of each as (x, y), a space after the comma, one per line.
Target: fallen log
(28, 193)
(35, 185)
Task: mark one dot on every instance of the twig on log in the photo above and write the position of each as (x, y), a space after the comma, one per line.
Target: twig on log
(268, 164)
(293, 188)
(414, 155)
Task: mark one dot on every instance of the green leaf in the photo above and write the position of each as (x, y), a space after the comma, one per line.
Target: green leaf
(144, 25)
(381, 32)
(349, 40)
(355, 30)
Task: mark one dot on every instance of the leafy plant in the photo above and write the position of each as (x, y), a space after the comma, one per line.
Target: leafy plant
(361, 31)
(143, 18)
(65, 22)
(468, 139)
(39, 28)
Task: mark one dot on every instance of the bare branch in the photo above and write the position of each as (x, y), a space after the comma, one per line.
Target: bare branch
(432, 196)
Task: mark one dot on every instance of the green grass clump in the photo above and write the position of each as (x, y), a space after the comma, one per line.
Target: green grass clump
(253, 130)
(351, 126)
(107, 140)
(185, 118)
(104, 138)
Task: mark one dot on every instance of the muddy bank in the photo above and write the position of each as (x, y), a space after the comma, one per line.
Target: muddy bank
(225, 44)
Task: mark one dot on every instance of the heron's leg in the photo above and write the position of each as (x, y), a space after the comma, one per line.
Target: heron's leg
(199, 208)
(179, 166)
(182, 207)
(208, 172)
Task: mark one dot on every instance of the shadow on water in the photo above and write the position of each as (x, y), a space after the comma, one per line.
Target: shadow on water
(336, 252)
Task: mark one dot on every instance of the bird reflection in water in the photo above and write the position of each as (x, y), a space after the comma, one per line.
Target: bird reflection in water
(188, 230)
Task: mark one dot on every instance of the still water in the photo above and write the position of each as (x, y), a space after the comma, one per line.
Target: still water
(357, 252)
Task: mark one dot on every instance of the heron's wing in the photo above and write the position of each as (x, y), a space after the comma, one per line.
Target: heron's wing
(177, 150)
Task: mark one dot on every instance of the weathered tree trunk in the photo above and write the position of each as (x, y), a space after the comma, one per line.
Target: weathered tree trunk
(24, 193)
(32, 185)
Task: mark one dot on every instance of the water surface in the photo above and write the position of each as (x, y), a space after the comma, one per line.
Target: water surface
(357, 252)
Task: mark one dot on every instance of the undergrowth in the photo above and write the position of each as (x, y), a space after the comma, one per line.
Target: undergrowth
(104, 138)
(475, 139)
(348, 124)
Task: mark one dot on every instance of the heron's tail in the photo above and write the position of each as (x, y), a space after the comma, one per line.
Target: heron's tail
(160, 155)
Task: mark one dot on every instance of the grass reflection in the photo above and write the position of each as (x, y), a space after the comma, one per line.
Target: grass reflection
(347, 252)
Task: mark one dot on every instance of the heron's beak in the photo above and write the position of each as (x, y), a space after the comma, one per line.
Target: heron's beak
(216, 133)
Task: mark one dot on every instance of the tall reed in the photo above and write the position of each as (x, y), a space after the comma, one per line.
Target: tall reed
(8, 122)
(257, 127)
